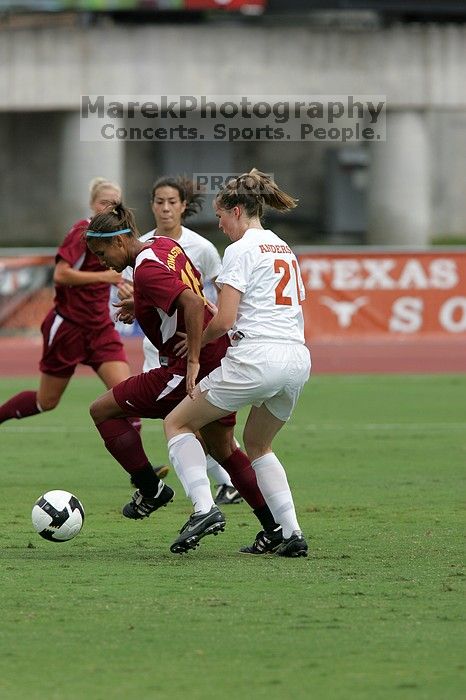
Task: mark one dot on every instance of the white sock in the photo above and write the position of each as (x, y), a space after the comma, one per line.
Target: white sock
(188, 458)
(272, 481)
(217, 473)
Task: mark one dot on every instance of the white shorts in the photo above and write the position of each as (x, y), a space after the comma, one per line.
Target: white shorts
(253, 373)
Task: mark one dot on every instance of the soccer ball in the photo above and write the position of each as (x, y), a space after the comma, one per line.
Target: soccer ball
(57, 516)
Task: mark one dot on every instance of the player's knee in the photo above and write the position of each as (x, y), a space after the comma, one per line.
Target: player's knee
(220, 444)
(99, 411)
(95, 412)
(48, 403)
(220, 452)
(169, 427)
(254, 447)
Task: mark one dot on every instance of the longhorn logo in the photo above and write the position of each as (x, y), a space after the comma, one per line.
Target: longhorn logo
(344, 310)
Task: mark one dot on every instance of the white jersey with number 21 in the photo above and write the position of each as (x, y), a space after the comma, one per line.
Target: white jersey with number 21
(264, 268)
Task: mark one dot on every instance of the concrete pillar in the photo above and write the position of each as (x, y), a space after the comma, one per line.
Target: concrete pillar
(399, 183)
(448, 139)
(80, 162)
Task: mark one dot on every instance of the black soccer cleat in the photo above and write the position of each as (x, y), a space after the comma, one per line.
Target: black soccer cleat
(142, 506)
(198, 526)
(226, 495)
(294, 546)
(265, 543)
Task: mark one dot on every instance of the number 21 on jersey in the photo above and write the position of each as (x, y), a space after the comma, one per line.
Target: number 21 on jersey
(288, 275)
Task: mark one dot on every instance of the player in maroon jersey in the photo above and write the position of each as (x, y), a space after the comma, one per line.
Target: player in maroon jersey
(78, 329)
(168, 300)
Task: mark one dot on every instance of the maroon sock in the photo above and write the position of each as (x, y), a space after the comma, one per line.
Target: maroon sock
(123, 442)
(243, 478)
(20, 406)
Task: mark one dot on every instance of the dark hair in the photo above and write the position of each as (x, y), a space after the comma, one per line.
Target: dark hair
(252, 191)
(185, 188)
(115, 219)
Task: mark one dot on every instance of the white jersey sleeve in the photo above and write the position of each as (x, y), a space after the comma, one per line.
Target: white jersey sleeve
(211, 262)
(237, 268)
(202, 252)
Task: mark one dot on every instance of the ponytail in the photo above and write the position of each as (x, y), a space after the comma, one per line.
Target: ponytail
(253, 190)
(119, 218)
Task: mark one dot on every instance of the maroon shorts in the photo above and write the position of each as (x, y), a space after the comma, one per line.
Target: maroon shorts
(154, 394)
(66, 345)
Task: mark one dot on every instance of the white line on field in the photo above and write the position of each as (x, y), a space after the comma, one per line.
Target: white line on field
(309, 426)
(381, 426)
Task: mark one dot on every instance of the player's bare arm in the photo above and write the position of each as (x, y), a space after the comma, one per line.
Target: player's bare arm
(125, 310)
(125, 290)
(125, 305)
(193, 310)
(66, 275)
(228, 301)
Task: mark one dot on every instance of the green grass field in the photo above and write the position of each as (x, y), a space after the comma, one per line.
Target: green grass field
(375, 612)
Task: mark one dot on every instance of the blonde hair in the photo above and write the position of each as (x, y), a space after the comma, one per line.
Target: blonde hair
(253, 190)
(99, 183)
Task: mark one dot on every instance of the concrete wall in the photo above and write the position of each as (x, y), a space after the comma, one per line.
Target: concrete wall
(417, 178)
(415, 65)
(30, 164)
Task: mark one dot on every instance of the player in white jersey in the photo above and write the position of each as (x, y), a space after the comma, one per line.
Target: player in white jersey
(172, 201)
(266, 367)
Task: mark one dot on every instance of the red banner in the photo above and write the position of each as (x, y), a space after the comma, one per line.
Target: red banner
(244, 5)
(389, 295)
(20, 278)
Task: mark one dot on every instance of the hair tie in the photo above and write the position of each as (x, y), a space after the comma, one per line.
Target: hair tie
(106, 234)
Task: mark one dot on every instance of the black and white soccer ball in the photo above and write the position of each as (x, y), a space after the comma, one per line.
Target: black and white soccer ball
(57, 516)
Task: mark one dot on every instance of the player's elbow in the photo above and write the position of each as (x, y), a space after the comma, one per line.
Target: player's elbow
(191, 301)
(58, 276)
(224, 320)
(222, 325)
(61, 274)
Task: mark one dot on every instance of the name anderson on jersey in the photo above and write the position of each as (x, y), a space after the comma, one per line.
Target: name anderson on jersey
(270, 248)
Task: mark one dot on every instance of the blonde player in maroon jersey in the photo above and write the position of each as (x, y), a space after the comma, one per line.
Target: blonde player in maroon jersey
(268, 363)
(168, 301)
(78, 329)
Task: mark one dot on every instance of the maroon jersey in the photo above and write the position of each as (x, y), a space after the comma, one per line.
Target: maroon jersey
(88, 304)
(162, 271)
